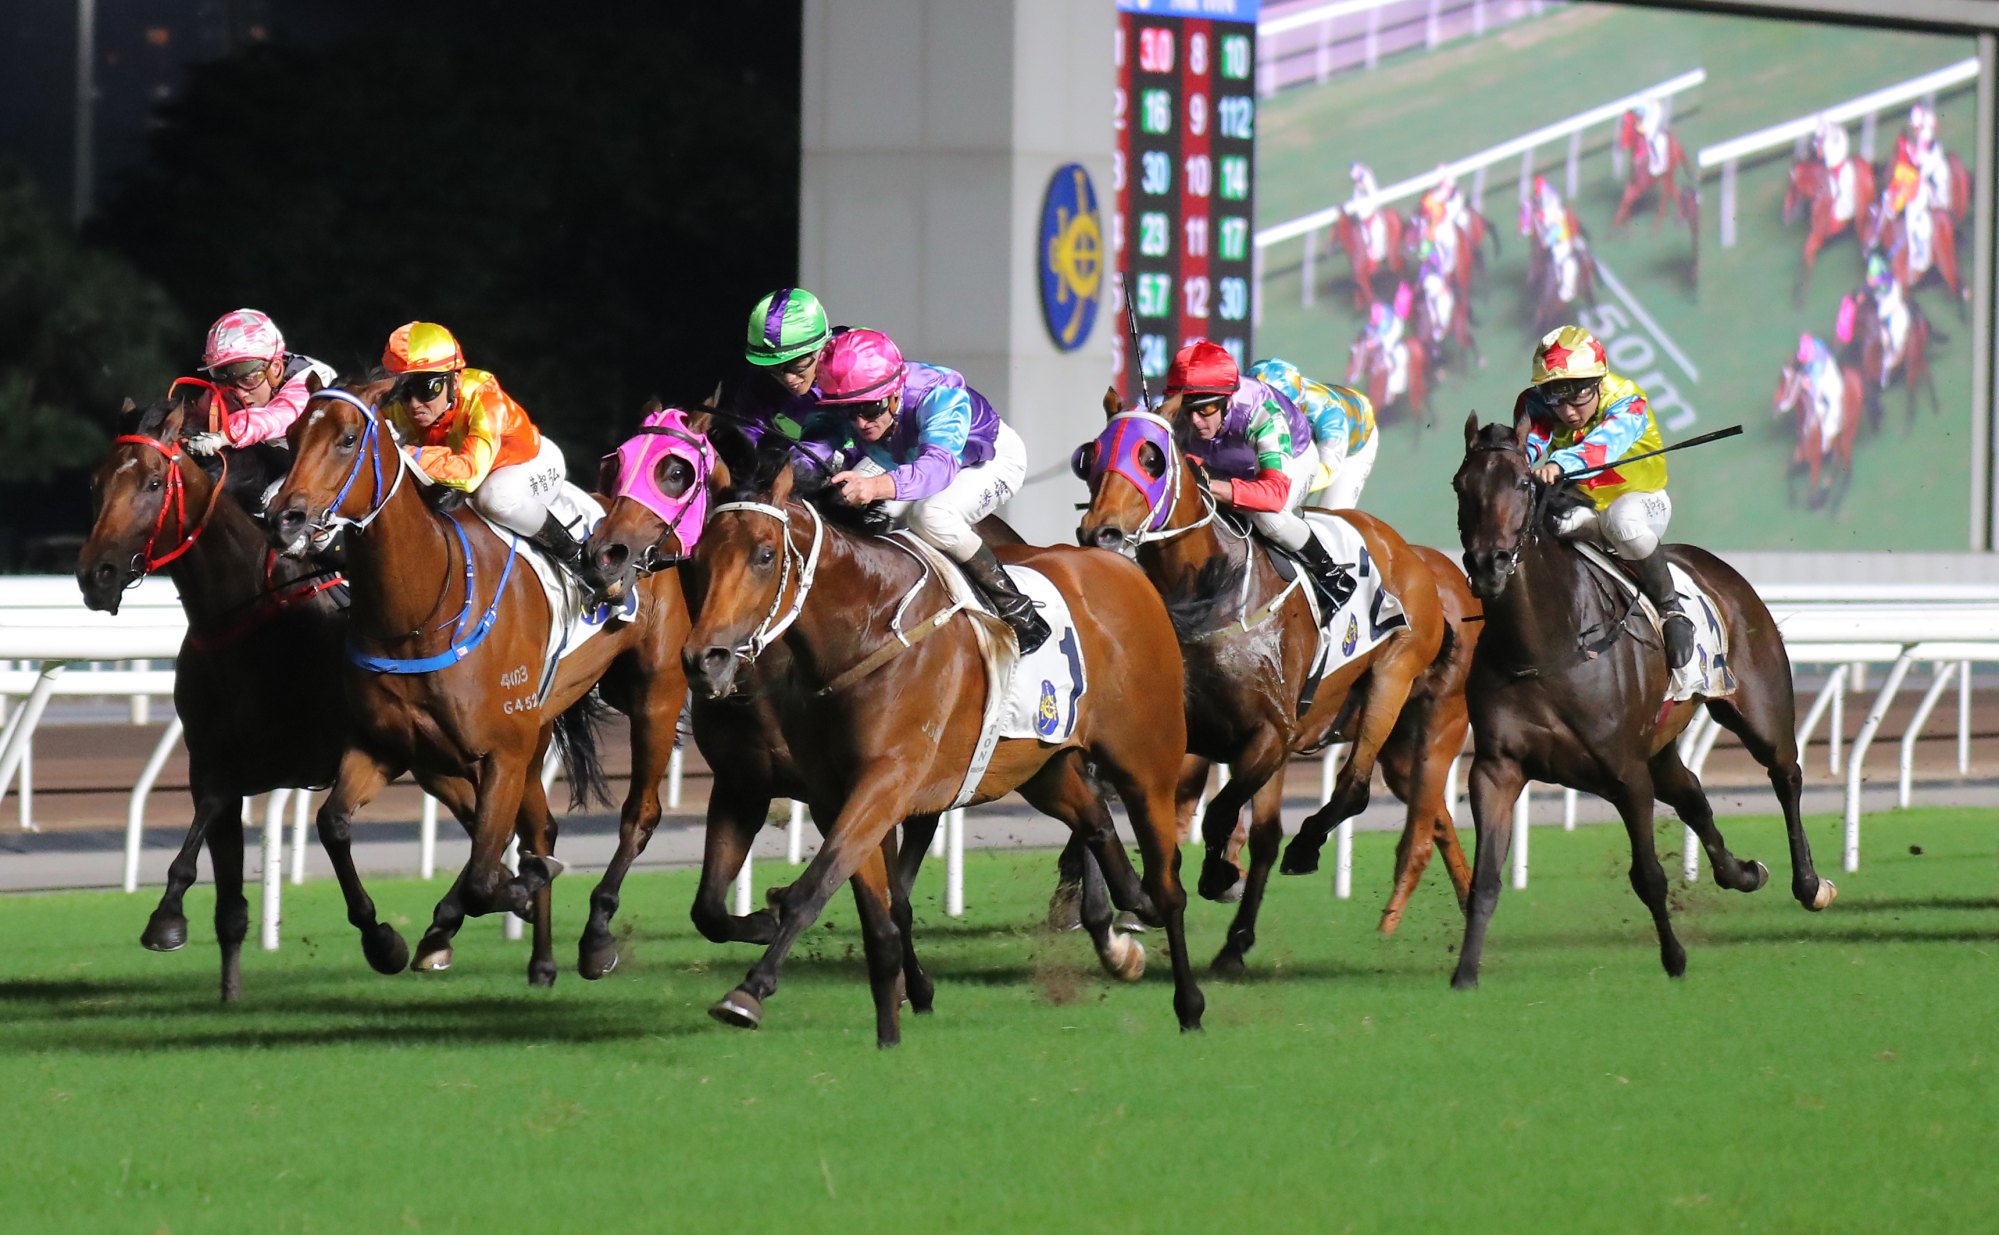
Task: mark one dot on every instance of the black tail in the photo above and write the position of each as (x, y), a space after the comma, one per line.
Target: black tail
(576, 738)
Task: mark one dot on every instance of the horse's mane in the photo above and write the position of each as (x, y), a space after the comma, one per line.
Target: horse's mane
(252, 469)
(754, 468)
(1566, 495)
(1195, 608)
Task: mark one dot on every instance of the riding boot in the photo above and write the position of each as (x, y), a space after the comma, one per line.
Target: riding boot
(1657, 583)
(1016, 610)
(1334, 582)
(564, 548)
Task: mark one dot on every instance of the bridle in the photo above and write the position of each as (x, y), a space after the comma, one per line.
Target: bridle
(175, 494)
(1529, 532)
(1161, 506)
(778, 618)
(368, 448)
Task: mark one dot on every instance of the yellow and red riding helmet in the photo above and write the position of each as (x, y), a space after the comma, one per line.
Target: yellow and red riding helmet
(1567, 353)
(422, 347)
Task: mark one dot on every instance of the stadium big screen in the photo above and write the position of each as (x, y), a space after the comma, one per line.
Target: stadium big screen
(1183, 178)
(1777, 222)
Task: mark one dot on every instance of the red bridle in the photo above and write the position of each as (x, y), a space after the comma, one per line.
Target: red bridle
(176, 489)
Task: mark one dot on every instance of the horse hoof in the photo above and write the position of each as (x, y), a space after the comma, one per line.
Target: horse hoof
(1389, 921)
(541, 973)
(1124, 959)
(1759, 875)
(1826, 894)
(1219, 877)
(385, 949)
(740, 1009)
(1463, 981)
(433, 962)
(1130, 923)
(1299, 859)
(1228, 964)
(1065, 906)
(595, 960)
(165, 933)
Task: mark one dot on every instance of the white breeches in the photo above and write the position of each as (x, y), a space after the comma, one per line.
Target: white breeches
(1285, 527)
(1343, 493)
(1631, 527)
(945, 518)
(516, 496)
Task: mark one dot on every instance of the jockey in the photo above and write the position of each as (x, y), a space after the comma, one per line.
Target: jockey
(1258, 446)
(1443, 205)
(919, 438)
(1549, 220)
(466, 433)
(1366, 211)
(263, 385)
(1343, 430)
(1832, 145)
(1580, 415)
(1891, 309)
(1823, 383)
(787, 336)
(1652, 134)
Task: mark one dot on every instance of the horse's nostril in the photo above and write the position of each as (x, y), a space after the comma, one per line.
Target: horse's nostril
(1109, 538)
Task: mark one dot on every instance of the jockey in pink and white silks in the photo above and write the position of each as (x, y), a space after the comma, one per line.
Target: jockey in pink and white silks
(1824, 388)
(1652, 135)
(1835, 154)
(919, 438)
(1257, 445)
(262, 386)
(1343, 431)
(1366, 211)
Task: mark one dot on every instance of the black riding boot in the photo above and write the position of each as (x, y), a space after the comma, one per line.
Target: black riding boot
(1334, 582)
(1657, 583)
(1014, 609)
(565, 549)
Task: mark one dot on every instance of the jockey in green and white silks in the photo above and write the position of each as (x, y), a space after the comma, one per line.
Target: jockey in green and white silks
(1343, 431)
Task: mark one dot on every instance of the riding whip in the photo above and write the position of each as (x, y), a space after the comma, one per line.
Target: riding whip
(1702, 440)
(1137, 355)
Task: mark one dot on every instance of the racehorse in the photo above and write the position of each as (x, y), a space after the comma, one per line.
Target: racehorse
(1392, 376)
(1248, 639)
(466, 712)
(1559, 277)
(1352, 236)
(1442, 320)
(257, 681)
(1814, 451)
(1869, 345)
(1469, 248)
(1641, 179)
(1564, 689)
(1833, 207)
(851, 684)
(1894, 240)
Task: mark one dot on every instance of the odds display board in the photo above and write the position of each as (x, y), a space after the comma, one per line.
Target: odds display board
(1182, 179)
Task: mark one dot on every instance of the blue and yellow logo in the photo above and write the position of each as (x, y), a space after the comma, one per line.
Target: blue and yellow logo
(1352, 641)
(1072, 256)
(1047, 717)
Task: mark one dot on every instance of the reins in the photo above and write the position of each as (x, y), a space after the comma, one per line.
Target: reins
(174, 496)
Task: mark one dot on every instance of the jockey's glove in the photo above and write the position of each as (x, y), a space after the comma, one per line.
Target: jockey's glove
(206, 443)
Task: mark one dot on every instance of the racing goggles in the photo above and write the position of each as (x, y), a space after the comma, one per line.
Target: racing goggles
(1570, 391)
(241, 374)
(423, 387)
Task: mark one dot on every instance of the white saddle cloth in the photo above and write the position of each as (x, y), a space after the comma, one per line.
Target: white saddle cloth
(1369, 616)
(571, 619)
(1707, 674)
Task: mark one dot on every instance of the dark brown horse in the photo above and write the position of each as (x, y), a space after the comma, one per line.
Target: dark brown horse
(1248, 646)
(1640, 180)
(476, 722)
(1812, 182)
(802, 611)
(257, 681)
(1567, 688)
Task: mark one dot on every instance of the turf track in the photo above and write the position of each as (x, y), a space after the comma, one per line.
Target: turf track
(1816, 1073)
(1910, 491)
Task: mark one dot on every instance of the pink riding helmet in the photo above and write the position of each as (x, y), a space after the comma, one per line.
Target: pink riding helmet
(861, 366)
(243, 334)
(665, 433)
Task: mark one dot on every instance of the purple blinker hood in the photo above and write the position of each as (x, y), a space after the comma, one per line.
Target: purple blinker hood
(1116, 450)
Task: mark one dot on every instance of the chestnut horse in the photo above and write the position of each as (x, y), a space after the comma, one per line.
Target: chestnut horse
(1794, 395)
(1352, 236)
(1370, 367)
(1642, 180)
(1564, 689)
(1869, 345)
(809, 614)
(1831, 213)
(257, 681)
(1248, 646)
(463, 711)
(1894, 241)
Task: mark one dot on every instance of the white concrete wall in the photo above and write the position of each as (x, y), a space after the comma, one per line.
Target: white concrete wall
(930, 130)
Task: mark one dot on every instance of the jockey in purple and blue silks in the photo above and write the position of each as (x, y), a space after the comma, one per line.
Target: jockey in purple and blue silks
(918, 437)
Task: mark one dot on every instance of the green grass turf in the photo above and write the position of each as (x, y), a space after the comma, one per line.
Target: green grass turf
(1830, 1072)
(1911, 489)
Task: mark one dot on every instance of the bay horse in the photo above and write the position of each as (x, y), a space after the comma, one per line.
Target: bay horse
(1442, 320)
(460, 709)
(1813, 453)
(1564, 689)
(1869, 345)
(1895, 242)
(1248, 644)
(1641, 179)
(1351, 233)
(257, 681)
(1469, 260)
(1372, 368)
(1832, 211)
(800, 607)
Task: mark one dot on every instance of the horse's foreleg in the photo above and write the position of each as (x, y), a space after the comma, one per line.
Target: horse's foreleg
(1495, 784)
(1148, 800)
(536, 829)
(166, 929)
(735, 815)
(1260, 760)
(433, 950)
(653, 723)
(232, 908)
(877, 804)
(361, 777)
(1390, 683)
(905, 859)
(882, 941)
(1675, 784)
(489, 886)
(1266, 830)
(1648, 878)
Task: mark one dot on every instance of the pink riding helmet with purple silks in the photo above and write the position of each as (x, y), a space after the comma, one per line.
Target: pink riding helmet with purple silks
(666, 433)
(1116, 450)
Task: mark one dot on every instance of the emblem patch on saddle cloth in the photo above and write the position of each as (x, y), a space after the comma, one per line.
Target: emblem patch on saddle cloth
(571, 619)
(1369, 616)
(1708, 673)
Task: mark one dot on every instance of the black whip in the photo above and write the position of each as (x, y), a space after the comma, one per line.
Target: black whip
(1702, 440)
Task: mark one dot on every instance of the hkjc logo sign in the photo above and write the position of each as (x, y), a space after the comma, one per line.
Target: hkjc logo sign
(1072, 256)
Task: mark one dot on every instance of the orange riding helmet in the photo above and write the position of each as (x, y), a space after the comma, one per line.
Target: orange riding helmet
(422, 347)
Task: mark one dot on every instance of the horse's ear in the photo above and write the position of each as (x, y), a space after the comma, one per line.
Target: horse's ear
(718, 474)
(652, 408)
(1169, 408)
(127, 407)
(170, 428)
(700, 422)
(1471, 430)
(1112, 404)
(780, 487)
(1520, 428)
(714, 399)
(313, 383)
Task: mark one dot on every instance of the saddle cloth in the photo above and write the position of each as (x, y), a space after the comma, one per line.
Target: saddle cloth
(1707, 674)
(1035, 696)
(572, 619)
(1369, 616)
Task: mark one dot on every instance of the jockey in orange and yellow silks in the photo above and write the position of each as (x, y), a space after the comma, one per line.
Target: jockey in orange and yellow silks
(466, 433)
(1578, 415)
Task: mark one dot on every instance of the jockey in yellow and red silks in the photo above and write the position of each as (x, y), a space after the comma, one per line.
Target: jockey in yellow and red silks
(466, 433)
(1581, 415)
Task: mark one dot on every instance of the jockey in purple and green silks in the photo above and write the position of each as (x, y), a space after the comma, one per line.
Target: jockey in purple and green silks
(786, 338)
